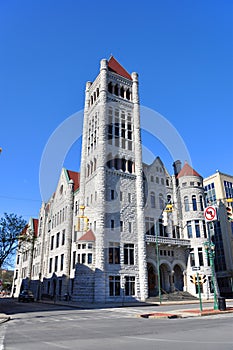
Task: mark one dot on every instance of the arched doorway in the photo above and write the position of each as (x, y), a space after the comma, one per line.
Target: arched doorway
(178, 278)
(165, 278)
(151, 280)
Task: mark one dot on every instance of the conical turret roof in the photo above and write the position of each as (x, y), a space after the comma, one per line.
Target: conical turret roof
(187, 170)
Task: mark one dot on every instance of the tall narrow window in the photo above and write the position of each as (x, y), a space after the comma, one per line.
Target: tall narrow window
(50, 264)
(129, 254)
(192, 258)
(197, 229)
(129, 285)
(152, 200)
(114, 253)
(62, 262)
(200, 256)
(74, 259)
(57, 239)
(56, 263)
(112, 225)
(186, 203)
(194, 201)
(161, 201)
(52, 243)
(189, 229)
(114, 286)
(201, 203)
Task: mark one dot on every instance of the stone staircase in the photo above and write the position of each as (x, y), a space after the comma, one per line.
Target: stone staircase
(174, 296)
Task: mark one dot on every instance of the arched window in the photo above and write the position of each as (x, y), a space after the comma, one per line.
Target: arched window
(116, 90)
(152, 200)
(110, 162)
(161, 201)
(169, 198)
(128, 94)
(186, 203)
(110, 87)
(123, 164)
(122, 92)
(97, 92)
(130, 166)
(194, 202)
(201, 203)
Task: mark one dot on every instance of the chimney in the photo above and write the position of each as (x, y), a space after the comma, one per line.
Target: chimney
(177, 167)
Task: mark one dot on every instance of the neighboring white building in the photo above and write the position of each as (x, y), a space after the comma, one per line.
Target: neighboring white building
(104, 232)
(218, 191)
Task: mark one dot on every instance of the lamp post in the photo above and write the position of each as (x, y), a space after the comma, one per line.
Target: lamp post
(158, 261)
(210, 251)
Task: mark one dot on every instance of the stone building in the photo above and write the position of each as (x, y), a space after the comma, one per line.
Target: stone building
(120, 229)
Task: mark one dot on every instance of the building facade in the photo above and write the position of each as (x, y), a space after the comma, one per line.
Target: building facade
(219, 192)
(120, 229)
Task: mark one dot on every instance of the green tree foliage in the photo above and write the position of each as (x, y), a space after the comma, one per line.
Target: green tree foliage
(11, 227)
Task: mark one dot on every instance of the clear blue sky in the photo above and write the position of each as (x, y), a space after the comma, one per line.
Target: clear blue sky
(181, 49)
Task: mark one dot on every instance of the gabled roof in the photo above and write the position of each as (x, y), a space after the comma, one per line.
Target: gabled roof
(73, 175)
(88, 236)
(114, 66)
(187, 170)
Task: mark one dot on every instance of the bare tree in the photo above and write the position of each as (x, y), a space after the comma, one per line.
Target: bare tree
(11, 227)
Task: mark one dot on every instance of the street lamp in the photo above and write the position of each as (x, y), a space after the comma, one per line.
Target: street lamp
(210, 251)
(158, 260)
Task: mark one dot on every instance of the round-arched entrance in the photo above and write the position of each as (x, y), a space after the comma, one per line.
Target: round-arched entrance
(151, 280)
(165, 278)
(178, 278)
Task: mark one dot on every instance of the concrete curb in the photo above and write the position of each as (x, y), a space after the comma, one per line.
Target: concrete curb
(186, 313)
(4, 319)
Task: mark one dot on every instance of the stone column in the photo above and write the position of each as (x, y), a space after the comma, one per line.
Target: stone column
(100, 209)
(84, 145)
(143, 281)
(68, 238)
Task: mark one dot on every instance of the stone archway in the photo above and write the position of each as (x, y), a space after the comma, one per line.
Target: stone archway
(165, 281)
(178, 278)
(151, 280)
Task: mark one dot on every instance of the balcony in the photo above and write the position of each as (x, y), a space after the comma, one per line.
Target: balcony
(168, 241)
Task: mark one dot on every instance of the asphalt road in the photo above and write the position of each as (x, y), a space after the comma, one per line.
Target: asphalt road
(47, 327)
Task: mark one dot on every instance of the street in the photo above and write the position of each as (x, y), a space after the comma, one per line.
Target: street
(36, 326)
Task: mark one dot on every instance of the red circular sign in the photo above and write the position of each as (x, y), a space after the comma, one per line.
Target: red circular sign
(210, 213)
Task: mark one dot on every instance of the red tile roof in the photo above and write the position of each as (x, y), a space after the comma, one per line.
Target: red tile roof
(88, 236)
(115, 67)
(73, 175)
(187, 170)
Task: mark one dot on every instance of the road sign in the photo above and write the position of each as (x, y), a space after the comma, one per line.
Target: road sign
(196, 268)
(210, 214)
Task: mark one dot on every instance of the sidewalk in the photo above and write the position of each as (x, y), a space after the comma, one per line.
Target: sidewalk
(176, 313)
(187, 313)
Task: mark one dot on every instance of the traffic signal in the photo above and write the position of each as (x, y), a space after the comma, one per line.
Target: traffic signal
(193, 279)
(169, 208)
(229, 213)
(202, 279)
